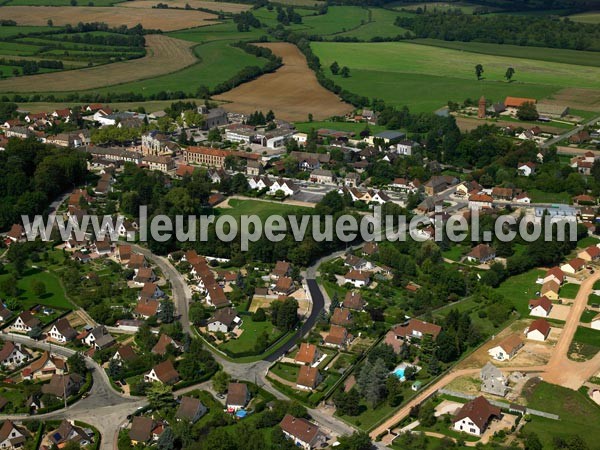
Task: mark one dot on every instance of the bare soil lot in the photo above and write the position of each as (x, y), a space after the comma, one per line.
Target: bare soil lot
(468, 124)
(164, 55)
(292, 92)
(577, 98)
(559, 312)
(156, 19)
(216, 6)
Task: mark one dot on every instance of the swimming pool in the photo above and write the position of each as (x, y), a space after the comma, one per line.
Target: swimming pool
(399, 372)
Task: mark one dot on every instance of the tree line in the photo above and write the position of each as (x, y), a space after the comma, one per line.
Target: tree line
(537, 31)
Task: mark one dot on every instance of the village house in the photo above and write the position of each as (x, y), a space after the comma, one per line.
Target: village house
(43, 367)
(155, 143)
(308, 378)
(98, 338)
(12, 355)
(352, 179)
(12, 436)
(67, 432)
(475, 415)
(124, 354)
(493, 381)
(512, 104)
(163, 164)
(275, 138)
(16, 233)
(409, 331)
(141, 430)
(284, 286)
(482, 254)
(63, 385)
(353, 300)
(146, 308)
(62, 332)
(357, 263)
(523, 197)
(406, 147)
(310, 161)
(303, 433)
(592, 253)
(184, 170)
(595, 324)
(25, 322)
(215, 296)
(540, 307)
(163, 373)
(550, 289)
(584, 199)
(224, 320)
(144, 275)
(551, 110)
(341, 316)
(239, 132)
(238, 396)
(164, 342)
(439, 183)
(358, 278)
(322, 176)
(526, 169)
(190, 409)
(254, 168)
(287, 187)
(538, 330)
(573, 266)
(150, 291)
(259, 183)
(507, 348)
(480, 201)
(337, 337)
(281, 269)
(307, 354)
(136, 261)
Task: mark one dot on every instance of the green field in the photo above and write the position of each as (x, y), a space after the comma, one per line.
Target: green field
(54, 296)
(380, 24)
(584, 58)
(247, 340)
(576, 412)
(569, 290)
(262, 209)
(538, 196)
(223, 31)
(286, 371)
(23, 29)
(62, 2)
(520, 289)
(587, 316)
(465, 7)
(588, 17)
(425, 77)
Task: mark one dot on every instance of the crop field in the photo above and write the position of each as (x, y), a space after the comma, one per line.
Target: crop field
(219, 32)
(16, 30)
(216, 6)
(157, 19)
(588, 17)
(292, 92)
(380, 24)
(305, 3)
(62, 2)
(425, 78)
(466, 8)
(557, 55)
(164, 55)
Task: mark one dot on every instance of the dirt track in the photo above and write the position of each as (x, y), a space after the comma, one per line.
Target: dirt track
(155, 19)
(164, 55)
(292, 92)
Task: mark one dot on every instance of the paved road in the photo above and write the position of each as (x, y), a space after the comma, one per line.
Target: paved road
(103, 408)
(570, 133)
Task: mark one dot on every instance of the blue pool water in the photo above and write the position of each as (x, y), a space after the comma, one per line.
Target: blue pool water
(399, 372)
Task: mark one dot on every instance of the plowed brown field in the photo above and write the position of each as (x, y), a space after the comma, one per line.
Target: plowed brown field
(156, 19)
(215, 6)
(292, 92)
(163, 55)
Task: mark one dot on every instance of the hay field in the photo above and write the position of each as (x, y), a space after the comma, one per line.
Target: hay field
(216, 6)
(157, 19)
(163, 55)
(587, 17)
(292, 92)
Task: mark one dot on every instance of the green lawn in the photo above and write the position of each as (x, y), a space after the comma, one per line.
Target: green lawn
(538, 196)
(381, 25)
(587, 336)
(587, 316)
(219, 32)
(557, 55)
(577, 412)
(569, 290)
(587, 242)
(286, 371)
(247, 341)
(426, 77)
(455, 253)
(594, 299)
(262, 209)
(54, 297)
(520, 289)
(585, 344)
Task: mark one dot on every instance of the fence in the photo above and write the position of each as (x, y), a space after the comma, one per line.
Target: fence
(533, 412)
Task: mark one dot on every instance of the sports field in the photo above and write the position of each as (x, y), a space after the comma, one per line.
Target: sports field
(154, 19)
(292, 91)
(164, 55)
(425, 77)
